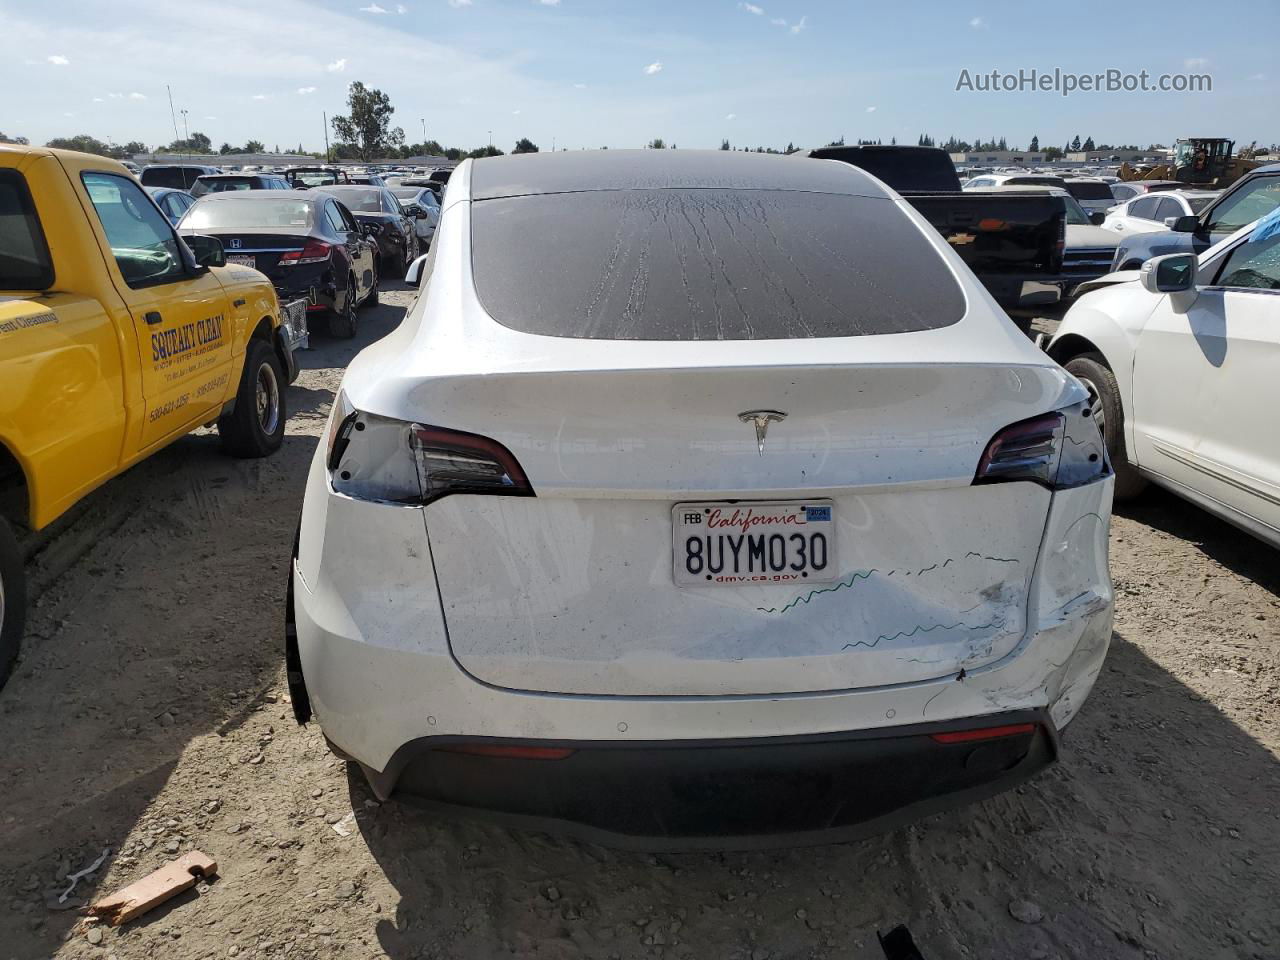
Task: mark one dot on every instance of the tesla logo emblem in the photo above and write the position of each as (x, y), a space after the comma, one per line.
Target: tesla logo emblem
(235, 244)
(761, 419)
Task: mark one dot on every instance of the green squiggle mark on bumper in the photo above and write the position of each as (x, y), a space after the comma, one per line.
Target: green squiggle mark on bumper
(911, 633)
(853, 578)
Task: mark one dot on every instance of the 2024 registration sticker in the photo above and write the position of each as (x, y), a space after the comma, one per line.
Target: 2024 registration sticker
(731, 544)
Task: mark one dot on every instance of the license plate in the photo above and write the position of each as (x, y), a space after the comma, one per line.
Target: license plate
(242, 258)
(732, 544)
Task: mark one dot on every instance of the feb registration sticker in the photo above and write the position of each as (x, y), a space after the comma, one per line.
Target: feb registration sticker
(733, 544)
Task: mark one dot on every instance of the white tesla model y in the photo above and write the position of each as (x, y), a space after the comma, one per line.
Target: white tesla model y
(700, 498)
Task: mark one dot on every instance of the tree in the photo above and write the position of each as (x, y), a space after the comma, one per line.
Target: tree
(1088, 144)
(525, 145)
(1034, 146)
(4, 138)
(256, 146)
(196, 143)
(368, 126)
(724, 145)
(486, 151)
(86, 144)
(227, 148)
(1075, 144)
(657, 143)
(1052, 153)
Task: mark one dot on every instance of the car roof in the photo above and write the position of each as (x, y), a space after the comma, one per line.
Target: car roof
(242, 175)
(595, 170)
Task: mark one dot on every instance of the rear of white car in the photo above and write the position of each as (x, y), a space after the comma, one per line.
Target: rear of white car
(700, 498)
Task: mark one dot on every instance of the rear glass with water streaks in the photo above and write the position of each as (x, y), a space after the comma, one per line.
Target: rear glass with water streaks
(707, 264)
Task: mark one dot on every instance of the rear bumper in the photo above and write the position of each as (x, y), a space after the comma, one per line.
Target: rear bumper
(740, 794)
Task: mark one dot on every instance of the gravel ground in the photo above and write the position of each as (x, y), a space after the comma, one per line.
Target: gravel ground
(149, 716)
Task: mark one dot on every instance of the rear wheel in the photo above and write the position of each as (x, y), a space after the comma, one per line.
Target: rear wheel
(342, 321)
(13, 600)
(1108, 413)
(255, 426)
(371, 298)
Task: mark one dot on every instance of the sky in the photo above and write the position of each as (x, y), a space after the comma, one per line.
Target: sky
(590, 73)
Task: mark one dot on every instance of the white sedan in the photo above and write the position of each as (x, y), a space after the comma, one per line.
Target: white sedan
(421, 205)
(1150, 212)
(704, 498)
(1181, 360)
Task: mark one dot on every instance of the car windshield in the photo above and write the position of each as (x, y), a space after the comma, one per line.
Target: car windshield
(1075, 212)
(1248, 203)
(1088, 190)
(220, 185)
(314, 178)
(405, 193)
(361, 199)
(708, 264)
(232, 212)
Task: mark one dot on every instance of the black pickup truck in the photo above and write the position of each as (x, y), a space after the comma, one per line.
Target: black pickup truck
(1013, 244)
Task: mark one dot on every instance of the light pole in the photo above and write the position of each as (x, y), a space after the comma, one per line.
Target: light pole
(424, 134)
(490, 139)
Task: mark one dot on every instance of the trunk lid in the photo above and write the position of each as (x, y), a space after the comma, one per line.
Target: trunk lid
(573, 591)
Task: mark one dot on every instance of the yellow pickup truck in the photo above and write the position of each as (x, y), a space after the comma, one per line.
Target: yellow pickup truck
(116, 338)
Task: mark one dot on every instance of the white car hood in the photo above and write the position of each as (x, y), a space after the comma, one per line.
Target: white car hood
(1087, 235)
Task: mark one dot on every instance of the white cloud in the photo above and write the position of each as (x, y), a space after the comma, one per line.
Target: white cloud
(799, 24)
(373, 8)
(401, 9)
(655, 67)
(68, 113)
(1259, 76)
(778, 22)
(137, 96)
(305, 90)
(977, 23)
(515, 113)
(98, 100)
(58, 60)
(116, 96)
(337, 66)
(871, 109)
(459, 3)
(752, 8)
(1191, 63)
(579, 86)
(550, 3)
(730, 116)
(210, 118)
(259, 96)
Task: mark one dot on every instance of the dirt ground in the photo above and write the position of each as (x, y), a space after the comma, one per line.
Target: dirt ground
(149, 716)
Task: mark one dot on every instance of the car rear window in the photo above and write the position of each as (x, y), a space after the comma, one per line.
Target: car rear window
(24, 255)
(1089, 191)
(362, 199)
(707, 264)
(231, 211)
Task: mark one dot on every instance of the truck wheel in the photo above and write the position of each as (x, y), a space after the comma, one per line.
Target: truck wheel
(1108, 413)
(255, 426)
(13, 600)
(342, 321)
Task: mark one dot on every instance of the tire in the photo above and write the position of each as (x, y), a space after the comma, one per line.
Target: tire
(255, 426)
(13, 600)
(371, 298)
(342, 321)
(1104, 396)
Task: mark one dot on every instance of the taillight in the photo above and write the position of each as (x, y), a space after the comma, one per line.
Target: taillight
(1058, 450)
(315, 251)
(394, 461)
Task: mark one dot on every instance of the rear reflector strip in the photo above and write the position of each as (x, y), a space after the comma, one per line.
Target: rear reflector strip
(984, 733)
(510, 753)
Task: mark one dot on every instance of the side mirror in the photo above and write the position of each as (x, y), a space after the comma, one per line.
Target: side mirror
(207, 250)
(1175, 273)
(413, 276)
(1097, 218)
(1183, 224)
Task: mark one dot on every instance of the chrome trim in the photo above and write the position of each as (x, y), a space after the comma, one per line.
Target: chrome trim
(1218, 471)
